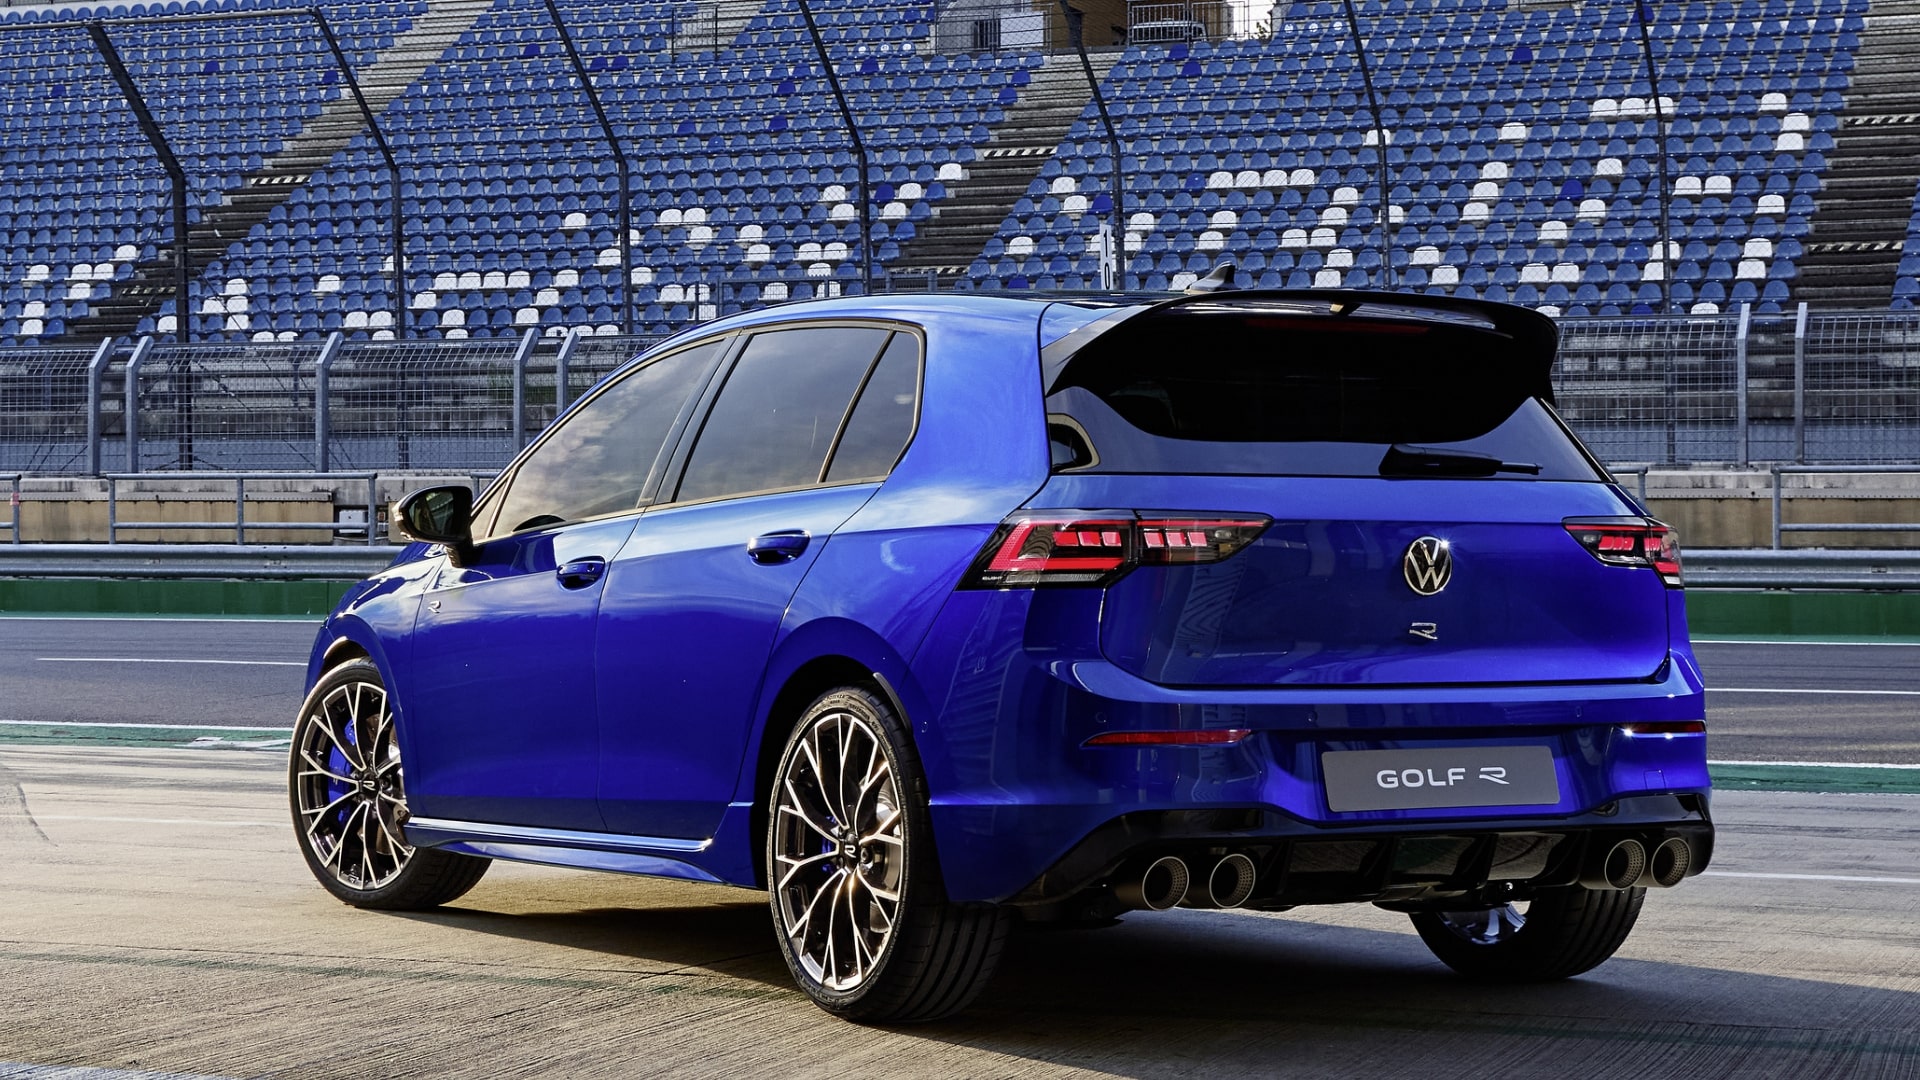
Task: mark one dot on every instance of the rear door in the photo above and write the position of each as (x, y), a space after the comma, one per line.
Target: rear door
(1419, 487)
(808, 422)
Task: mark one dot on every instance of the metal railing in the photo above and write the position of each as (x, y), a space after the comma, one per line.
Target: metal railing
(1833, 388)
(239, 523)
(1782, 526)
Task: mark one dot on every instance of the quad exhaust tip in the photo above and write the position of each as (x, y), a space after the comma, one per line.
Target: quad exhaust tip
(1228, 883)
(1669, 863)
(1618, 867)
(1163, 884)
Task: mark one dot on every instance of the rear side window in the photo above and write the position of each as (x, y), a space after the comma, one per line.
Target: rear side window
(882, 419)
(780, 410)
(1241, 394)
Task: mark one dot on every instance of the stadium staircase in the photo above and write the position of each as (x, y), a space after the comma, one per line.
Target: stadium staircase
(717, 25)
(152, 283)
(1007, 165)
(1854, 249)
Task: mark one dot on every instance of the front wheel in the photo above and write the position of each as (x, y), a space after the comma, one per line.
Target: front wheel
(348, 790)
(858, 906)
(1561, 933)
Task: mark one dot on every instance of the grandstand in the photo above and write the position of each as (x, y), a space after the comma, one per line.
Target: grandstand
(1524, 158)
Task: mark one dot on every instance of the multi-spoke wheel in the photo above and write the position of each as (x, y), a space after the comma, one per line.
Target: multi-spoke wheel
(348, 790)
(858, 906)
(1561, 933)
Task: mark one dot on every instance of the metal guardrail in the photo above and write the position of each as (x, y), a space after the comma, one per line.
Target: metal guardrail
(1781, 526)
(249, 562)
(240, 525)
(1896, 571)
(1705, 569)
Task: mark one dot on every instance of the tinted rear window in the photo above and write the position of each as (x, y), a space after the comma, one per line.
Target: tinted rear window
(1299, 396)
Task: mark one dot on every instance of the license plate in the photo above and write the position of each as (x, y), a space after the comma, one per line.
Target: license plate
(1435, 779)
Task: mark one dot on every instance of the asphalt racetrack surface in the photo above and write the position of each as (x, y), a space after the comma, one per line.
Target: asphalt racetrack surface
(156, 919)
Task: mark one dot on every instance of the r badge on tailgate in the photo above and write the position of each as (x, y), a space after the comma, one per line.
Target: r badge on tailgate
(1434, 779)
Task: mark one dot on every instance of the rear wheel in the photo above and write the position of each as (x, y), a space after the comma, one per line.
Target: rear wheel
(1561, 933)
(348, 789)
(859, 910)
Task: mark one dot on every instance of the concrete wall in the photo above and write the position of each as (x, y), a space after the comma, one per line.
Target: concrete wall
(1711, 508)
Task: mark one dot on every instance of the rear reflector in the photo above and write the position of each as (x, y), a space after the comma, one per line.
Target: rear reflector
(1630, 541)
(1668, 728)
(1098, 547)
(1210, 737)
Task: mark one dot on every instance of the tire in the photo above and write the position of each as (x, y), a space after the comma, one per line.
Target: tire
(347, 790)
(848, 828)
(1564, 931)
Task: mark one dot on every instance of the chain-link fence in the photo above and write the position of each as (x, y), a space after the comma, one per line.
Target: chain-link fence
(218, 406)
(1840, 388)
(440, 405)
(43, 409)
(1653, 390)
(1858, 389)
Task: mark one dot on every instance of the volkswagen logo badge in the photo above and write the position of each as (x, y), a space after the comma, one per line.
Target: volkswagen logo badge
(1427, 565)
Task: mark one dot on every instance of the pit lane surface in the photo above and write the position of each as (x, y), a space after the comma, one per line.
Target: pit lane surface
(155, 917)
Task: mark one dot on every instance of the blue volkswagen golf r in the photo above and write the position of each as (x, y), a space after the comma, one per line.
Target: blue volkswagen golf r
(933, 614)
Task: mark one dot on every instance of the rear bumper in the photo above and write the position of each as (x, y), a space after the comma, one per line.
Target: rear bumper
(1024, 811)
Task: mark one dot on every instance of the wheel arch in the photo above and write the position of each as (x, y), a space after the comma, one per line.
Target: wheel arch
(841, 656)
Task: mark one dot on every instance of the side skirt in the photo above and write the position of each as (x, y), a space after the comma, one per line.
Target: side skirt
(647, 855)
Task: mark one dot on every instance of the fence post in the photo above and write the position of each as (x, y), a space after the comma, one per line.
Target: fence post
(323, 401)
(131, 419)
(96, 374)
(1776, 507)
(240, 510)
(1740, 382)
(520, 357)
(560, 359)
(1800, 385)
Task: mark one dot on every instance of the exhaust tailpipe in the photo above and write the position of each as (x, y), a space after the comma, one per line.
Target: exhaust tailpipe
(1160, 886)
(1669, 863)
(1619, 866)
(1228, 884)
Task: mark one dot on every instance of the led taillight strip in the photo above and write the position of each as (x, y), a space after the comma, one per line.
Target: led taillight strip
(1209, 737)
(1630, 542)
(1097, 548)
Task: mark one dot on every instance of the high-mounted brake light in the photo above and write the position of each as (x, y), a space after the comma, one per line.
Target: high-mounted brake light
(1630, 541)
(1096, 548)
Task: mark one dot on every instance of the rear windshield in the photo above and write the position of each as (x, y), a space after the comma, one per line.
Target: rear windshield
(1285, 395)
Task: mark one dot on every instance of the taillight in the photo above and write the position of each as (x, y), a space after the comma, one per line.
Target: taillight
(1666, 729)
(1630, 541)
(1096, 548)
(1196, 737)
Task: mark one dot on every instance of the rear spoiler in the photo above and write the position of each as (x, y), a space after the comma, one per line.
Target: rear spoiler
(1526, 330)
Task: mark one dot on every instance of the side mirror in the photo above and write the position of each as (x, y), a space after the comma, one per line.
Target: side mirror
(438, 515)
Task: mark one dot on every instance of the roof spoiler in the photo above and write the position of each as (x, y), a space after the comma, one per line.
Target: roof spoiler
(1526, 329)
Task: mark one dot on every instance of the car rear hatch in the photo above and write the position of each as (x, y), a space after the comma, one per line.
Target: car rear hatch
(1329, 489)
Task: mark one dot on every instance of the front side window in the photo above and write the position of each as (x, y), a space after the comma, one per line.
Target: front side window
(598, 460)
(783, 405)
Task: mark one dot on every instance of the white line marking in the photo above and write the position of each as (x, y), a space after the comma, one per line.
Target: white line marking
(1815, 877)
(164, 821)
(1744, 641)
(1817, 764)
(161, 727)
(291, 619)
(1793, 690)
(150, 660)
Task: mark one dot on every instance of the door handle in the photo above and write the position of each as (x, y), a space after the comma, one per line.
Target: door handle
(581, 573)
(770, 549)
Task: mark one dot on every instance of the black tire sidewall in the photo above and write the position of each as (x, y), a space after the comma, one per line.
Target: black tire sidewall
(919, 883)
